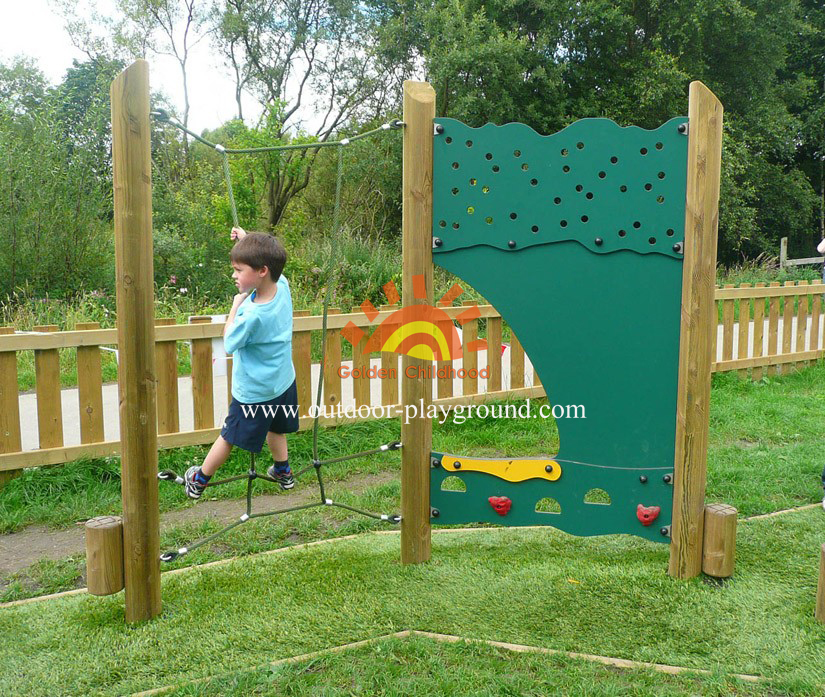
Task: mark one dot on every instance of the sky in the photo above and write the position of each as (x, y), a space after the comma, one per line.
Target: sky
(34, 29)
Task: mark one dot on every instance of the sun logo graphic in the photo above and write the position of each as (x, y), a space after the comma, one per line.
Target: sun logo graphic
(421, 331)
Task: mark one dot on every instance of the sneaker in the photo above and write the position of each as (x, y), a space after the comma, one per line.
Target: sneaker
(193, 488)
(285, 479)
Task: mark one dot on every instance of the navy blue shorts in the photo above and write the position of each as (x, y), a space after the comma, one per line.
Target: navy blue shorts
(246, 425)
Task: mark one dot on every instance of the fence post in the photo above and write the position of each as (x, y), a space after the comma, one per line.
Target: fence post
(49, 405)
(90, 389)
(166, 359)
(132, 179)
(10, 439)
(695, 341)
(416, 226)
(783, 252)
(203, 402)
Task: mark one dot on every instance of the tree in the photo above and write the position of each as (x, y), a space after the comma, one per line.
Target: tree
(291, 53)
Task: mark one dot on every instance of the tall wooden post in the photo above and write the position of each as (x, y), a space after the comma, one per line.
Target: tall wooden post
(131, 163)
(10, 437)
(698, 325)
(417, 215)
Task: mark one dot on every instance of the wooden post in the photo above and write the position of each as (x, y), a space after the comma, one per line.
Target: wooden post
(416, 226)
(758, 332)
(332, 366)
(104, 555)
(698, 324)
(90, 389)
(203, 402)
(820, 589)
(783, 253)
(389, 363)
(494, 353)
(516, 362)
(469, 361)
(166, 361)
(719, 544)
(361, 363)
(744, 329)
(49, 405)
(10, 441)
(302, 361)
(132, 178)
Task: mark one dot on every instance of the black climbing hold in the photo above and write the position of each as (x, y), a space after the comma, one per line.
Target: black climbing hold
(666, 479)
(511, 244)
(599, 241)
(643, 479)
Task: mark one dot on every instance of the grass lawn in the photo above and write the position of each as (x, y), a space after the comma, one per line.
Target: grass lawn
(608, 596)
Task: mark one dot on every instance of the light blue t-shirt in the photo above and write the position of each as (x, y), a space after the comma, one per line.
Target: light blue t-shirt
(261, 340)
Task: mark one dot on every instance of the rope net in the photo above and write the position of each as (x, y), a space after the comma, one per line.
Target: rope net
(330, 275)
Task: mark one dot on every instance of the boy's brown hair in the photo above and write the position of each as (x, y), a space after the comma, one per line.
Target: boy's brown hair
(257, 250)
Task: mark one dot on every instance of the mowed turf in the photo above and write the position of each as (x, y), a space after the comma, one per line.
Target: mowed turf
(607, 596)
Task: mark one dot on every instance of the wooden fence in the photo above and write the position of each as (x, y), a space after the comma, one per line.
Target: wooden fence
(784, 330)
(88, 339)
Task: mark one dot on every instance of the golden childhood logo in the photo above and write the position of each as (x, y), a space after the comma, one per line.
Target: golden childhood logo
(421, 331)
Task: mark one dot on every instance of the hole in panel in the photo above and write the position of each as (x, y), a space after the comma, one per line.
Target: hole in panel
(548, 505)
(597, 497)
(453, 483)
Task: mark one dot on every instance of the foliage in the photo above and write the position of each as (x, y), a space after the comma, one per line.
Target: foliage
(55, 204)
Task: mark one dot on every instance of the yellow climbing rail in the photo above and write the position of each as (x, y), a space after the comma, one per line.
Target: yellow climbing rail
(510, 470)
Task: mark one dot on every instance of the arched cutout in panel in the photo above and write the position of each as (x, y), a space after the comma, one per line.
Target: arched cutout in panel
(548, 505)
(453, 483)
(598, 497)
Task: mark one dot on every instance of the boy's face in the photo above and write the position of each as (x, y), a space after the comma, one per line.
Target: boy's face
(246, 278)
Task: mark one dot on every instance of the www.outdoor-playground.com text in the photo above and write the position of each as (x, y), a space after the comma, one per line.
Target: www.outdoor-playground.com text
(459, 412)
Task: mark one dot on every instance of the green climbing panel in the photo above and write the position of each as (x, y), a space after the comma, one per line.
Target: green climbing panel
(576, 239)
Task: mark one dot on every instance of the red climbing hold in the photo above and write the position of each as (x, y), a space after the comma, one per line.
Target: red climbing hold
(647, 515)
(500, 504)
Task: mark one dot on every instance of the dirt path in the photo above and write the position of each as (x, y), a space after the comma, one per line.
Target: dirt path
(32, 544)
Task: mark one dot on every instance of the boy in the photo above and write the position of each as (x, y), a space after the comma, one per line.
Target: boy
(259, 333)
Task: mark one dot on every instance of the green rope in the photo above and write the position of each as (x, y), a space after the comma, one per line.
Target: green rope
(228, 176)
(162, 115)
(331, 273)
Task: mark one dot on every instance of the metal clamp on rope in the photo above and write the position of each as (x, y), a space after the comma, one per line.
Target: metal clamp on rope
(345, 141)
(328, 502)
(220, 148)
(170, 476)
(397, 123)
(159, 114)
(316, 464)
(171, 556)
